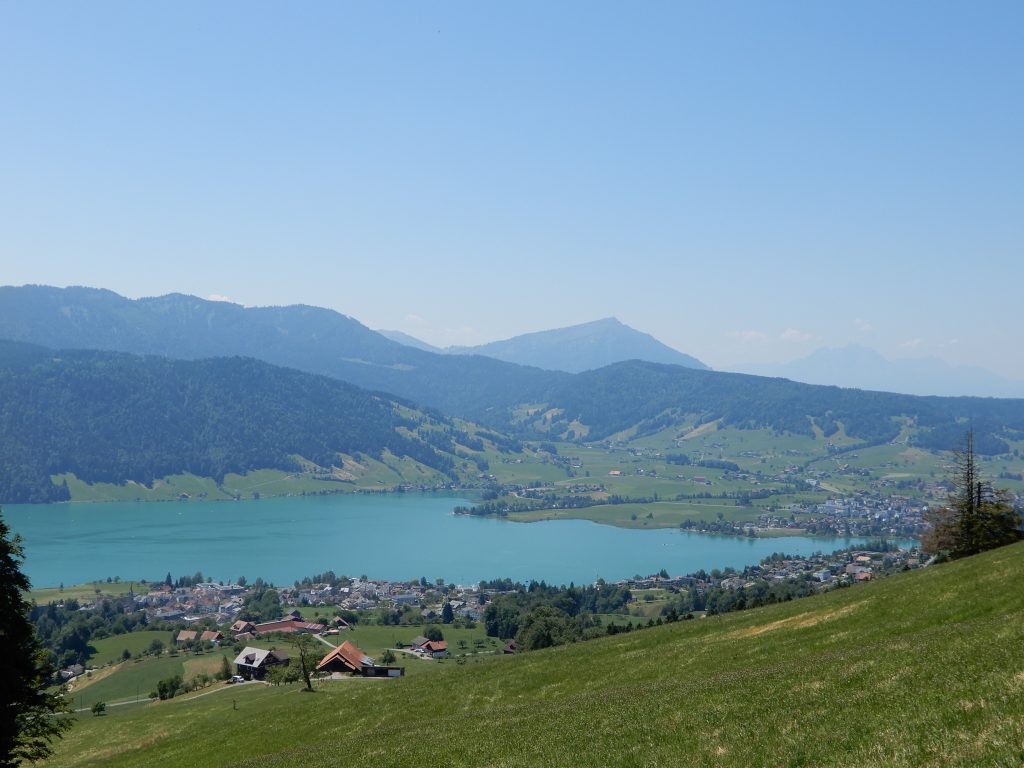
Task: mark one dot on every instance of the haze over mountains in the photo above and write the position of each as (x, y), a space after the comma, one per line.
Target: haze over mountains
(864, 368)
(583, 347)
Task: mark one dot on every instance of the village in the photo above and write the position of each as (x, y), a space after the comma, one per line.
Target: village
(207, 614)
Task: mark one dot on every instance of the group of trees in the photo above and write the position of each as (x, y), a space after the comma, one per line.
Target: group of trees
(66, 632)
(976, 517)
(261, 604)
(540, 615)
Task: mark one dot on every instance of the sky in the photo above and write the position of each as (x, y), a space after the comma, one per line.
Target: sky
(746, 181)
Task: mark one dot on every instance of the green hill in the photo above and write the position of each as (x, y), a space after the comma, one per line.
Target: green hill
(648, 397)
(108, 417)
(923, 668)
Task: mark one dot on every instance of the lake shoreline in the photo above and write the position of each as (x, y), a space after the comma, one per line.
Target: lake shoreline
(394, 536)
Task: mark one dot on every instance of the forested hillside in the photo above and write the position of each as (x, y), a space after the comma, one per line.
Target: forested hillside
(110, 417)
(652, 396)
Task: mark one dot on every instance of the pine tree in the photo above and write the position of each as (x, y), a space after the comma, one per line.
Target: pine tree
(28, 727)
(976, 517)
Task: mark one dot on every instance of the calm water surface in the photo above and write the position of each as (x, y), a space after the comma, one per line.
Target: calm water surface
(393, 536)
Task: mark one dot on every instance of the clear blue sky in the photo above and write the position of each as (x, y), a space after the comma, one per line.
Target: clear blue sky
(746, 181)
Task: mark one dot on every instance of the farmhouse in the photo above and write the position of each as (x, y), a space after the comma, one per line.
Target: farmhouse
(436, 648)
(186, 636)
(252, 663)
(348, 658)
(242, 626)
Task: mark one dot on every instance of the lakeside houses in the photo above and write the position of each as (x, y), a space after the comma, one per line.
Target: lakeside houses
(355, 601)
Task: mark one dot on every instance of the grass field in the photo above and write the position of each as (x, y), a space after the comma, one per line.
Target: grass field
(922, 668)
(87, 591)
(662, 514)
(366, 474)
(109, 649)
(135, 679)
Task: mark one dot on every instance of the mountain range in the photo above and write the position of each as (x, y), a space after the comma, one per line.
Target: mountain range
(624, 400)
(306, 338)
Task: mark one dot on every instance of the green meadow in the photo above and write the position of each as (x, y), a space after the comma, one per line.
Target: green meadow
(110, 649)
(922, 668)
(134, 679)
(88, 591)
(660, 514)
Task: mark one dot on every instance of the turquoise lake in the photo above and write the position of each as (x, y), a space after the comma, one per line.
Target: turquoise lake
(393, 536)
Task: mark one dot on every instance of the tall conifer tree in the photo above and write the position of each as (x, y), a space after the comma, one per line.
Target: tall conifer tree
(28, 726)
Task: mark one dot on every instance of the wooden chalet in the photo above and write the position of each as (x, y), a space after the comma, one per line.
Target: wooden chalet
(348, 658)
(186, 636)
(253, 663)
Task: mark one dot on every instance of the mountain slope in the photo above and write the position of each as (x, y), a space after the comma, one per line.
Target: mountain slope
(114, 417)
(650, 397)
(864, 368)
(309, 339)
(409, 341)
(582, 348)
(922, 668)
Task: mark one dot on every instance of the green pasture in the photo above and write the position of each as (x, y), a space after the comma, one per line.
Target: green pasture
(663, 514)
(88, 591)
(109, 649)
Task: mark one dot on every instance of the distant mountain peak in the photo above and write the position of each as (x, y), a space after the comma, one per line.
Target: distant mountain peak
(582, 347)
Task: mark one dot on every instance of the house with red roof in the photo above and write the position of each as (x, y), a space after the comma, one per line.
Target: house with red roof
(349, 659)
(289, 624)
(436, 648)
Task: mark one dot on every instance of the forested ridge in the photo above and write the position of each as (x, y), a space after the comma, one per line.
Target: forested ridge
(654, 396)
(111, 417)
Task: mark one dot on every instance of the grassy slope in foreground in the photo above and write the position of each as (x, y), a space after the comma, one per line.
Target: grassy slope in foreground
(923, 668)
